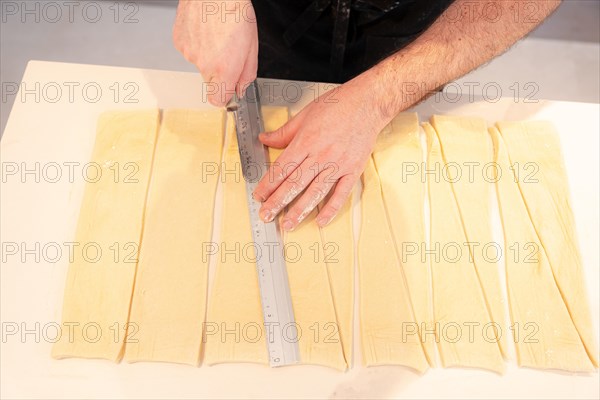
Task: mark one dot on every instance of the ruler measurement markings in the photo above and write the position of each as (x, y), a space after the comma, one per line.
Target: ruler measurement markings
(272, 274)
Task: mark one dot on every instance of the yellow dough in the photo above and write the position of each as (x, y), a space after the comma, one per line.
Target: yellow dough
(98, 292)
(536, 161)
(465, 143)
(388, 329)
(460, 312)
(169, 299)
(137, 284)
(312, 300)
(398, 158)
(338, 253)
(235, 314)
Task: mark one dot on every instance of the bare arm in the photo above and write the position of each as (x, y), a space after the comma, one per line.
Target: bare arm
(343, 133)
(469, 34)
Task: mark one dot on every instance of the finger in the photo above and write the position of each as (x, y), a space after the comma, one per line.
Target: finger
(220, 87)
(222, 78)
(287, 191)
(318, 189)
(342, 190)
(281, 138)
(279, 170)
(249, 71)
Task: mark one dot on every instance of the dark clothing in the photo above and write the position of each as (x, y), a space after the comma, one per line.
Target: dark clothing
(335, 40)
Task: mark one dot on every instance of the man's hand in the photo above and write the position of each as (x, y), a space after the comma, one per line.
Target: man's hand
(221, 39)
(327, 145)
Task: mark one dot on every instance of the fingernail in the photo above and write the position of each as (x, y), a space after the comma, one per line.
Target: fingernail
(266, 215)
(287, 225)
(323, 221)
(258, 197)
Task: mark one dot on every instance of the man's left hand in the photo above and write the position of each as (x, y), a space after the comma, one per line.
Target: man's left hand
(327, 146)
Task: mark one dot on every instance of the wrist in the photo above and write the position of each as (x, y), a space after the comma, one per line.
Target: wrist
(378, 87)
(362, 94)
(404, 79)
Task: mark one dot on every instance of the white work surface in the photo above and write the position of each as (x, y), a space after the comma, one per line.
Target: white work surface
(51, 129)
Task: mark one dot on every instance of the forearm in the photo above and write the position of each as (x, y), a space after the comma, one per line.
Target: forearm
(453, 46)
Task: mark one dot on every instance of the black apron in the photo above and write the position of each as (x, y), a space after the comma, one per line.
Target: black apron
(335, 40)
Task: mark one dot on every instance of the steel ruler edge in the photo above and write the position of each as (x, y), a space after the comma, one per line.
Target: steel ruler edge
(280, 328)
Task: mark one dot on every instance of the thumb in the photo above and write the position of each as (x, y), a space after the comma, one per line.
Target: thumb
(281, 137)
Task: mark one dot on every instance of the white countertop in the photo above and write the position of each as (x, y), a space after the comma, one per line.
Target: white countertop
(61, 129)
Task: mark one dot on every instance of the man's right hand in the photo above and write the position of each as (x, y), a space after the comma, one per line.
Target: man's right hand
(221, 39)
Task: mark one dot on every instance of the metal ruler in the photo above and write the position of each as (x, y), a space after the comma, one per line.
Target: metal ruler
(280, 328)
